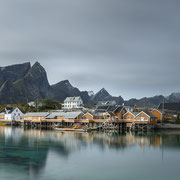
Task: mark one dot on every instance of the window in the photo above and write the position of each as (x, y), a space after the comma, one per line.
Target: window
(146, 118)
(128, 117)
(138, 118)
(142, 118)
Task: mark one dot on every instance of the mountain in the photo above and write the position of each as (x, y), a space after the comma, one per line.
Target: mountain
(23, 83)
(146, 102)
(153, 101)
(91, 93)
(64, 89)
(174, 97)
(103, 95)
(14, 72)
(32, 84)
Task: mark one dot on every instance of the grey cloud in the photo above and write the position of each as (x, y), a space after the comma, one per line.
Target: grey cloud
(130, 47)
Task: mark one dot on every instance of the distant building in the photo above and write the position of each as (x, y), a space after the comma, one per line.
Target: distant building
(32, 104)
(12, 113)
(106, 103)
(129, 108)
(73, 103)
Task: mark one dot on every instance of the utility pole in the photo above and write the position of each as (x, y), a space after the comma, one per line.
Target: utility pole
(162, 110)
(37, 105)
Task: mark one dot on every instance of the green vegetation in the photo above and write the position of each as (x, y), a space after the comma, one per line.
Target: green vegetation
(24, 108)
(41, 105)
(178, 119)
(47, 104)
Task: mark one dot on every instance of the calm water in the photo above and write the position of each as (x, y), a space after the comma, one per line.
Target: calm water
(50, 155)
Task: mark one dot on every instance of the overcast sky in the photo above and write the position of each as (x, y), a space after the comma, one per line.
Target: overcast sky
(129, 47)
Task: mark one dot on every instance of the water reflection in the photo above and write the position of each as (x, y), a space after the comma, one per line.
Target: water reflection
(27, 150)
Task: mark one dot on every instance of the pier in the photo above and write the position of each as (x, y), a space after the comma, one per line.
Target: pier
(103, 124)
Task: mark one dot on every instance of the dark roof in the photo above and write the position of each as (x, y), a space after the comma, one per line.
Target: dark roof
(97, 114)
(151, 115)
(170, 107)
(112, 108)
(119, 108)
(135, 113)
(102, 103)
(102, 107)
(10, 109)
(111, 113)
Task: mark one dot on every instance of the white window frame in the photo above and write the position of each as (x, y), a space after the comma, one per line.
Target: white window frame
(128, 117)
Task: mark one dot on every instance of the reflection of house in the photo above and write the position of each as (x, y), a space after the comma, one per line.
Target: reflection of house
(73, 103)
(12, 113)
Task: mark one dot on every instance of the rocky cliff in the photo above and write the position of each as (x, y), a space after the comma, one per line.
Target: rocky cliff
(23, 83)
(103, 95)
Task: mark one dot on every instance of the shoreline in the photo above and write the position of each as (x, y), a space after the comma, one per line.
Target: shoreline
(167, 127)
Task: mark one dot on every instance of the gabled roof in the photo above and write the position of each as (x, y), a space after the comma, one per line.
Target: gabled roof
(133, 113)
(156, 110)
(151, 115)
(98, 114)
(68, 115)
(102, 108)
(88, 113)
(111, 113)
(112, 108)
(119, 108)
(35, 114)
(143, 113)
(73, 99)
(9, 110)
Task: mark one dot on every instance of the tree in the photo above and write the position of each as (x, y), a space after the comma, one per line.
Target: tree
(178, 118)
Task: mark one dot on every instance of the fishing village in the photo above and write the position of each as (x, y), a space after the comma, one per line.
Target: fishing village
(106, 115)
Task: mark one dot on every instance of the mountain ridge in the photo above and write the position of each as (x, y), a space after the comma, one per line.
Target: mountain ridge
(21, 83)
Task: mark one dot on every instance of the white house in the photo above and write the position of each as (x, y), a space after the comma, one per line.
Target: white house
(73, 103)
(13, 114)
